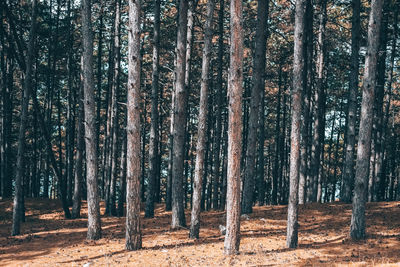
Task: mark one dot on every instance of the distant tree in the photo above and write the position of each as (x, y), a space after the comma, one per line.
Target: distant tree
(154, 136)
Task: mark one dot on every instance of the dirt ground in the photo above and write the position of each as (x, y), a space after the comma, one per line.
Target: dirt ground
(49, 240)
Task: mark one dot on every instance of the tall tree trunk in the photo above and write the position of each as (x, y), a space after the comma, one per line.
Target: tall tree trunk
(154, 138)
(305, 184)
(235, 91)
(257, 92)
(260, 166)
(80, 147)
(202, 125)
(319, 98)
(278, 137)
(218, 106)
(378, 192)
(178, 212)
(348, 169)
(133, 228)
(297, 95)
(114, 112)
(18, 207)
(94, 224)
(357, 228)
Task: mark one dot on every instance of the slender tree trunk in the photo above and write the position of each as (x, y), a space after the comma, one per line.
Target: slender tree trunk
(202, 125)
(80, 147)
(319, 98)
(178, 212)
(348, 169)
(256, 96)
(260, 166)
(94, 224)
(114, 112)
(235, 91)
(122, 175)
(154, 138)
(133, 228)
(378, 192)
(357, 229)
(297, 95)
(18, 207)
(277, 163)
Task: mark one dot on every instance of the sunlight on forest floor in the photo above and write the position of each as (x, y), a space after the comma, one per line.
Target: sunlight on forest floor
(49, 240)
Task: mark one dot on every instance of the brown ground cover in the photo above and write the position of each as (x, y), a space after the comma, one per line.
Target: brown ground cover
(49, 240)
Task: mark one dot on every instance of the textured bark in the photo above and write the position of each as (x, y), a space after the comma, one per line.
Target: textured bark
(278, 137)
(218, 106)
(319, 98)
(94, 224)
(122, 175)
(133, 226)
(379, 189)
(348, 168)
(260, 166)
(307, 186)
(202, 125)
(257, 91)
(297, 95)
(114, 111)
(153, 144)
(18, 206)
(357, 228)
(178, 212)
(80, 147)
(235, 91)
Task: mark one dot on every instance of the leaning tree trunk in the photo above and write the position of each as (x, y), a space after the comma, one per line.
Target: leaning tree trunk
(297, 95)
(153, 145)
(94, 225)
(235, 91)
(357, 228)
(202, 125)
(133, 229)
(348, 168)
(18, 208)
(256, 96)
(178, 212)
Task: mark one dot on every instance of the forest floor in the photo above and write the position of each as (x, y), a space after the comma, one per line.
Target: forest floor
(50, 240)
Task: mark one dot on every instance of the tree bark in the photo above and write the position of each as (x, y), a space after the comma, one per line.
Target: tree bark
(18, 207)
(319, 98)
(202, 125)
(348, 169)
(154, 138)
(257, 91)
(94, 224)
(357, 228)
(235, 91)
(114, 111)
(80, 147)
(297, 95)
(178, 212)
(133, 226)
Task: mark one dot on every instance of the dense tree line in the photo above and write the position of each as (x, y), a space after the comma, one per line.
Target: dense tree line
(199, 104)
